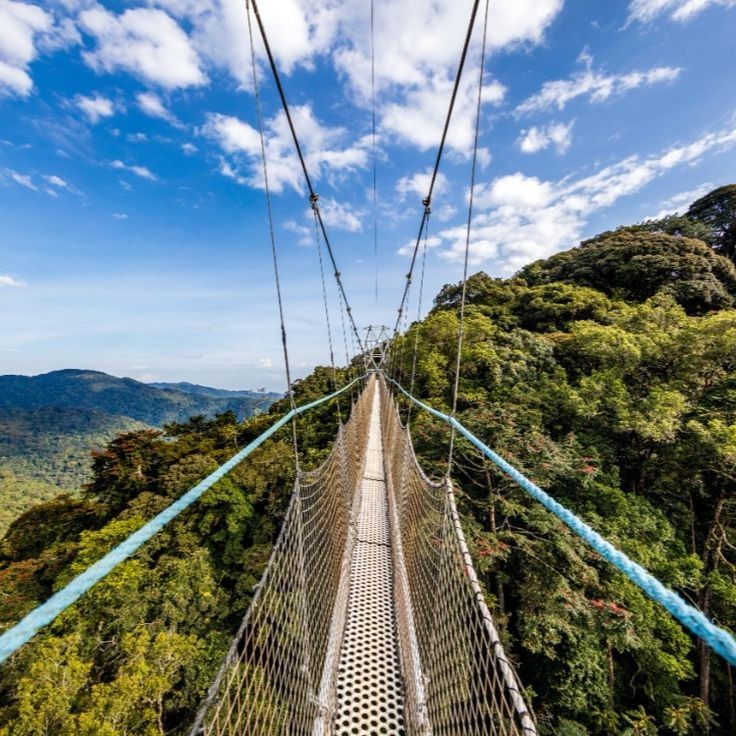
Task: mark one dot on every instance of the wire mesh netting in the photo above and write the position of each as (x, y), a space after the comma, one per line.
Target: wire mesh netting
(457, 678)
(279, 673)
(290, 667)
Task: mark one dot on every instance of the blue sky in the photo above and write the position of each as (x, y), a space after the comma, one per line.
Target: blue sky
(134, 238)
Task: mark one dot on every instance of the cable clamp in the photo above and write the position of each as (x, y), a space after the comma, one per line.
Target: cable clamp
(427, 205)
(313, 199)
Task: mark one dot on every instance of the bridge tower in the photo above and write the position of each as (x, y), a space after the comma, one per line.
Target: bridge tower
(376, 343)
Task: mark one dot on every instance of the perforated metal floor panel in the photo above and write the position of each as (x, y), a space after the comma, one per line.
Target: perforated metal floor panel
(370, 697)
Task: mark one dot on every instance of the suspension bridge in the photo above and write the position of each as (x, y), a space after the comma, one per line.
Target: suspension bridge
(369, 618)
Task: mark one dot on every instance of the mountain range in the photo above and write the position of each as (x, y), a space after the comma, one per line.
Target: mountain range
(154, 404)
(51, 423)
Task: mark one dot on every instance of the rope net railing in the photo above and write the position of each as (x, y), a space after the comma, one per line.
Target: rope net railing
(457, 677)
(278, 676)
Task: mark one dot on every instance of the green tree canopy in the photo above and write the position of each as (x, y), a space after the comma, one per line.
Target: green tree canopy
(634, 264)
(717, 212)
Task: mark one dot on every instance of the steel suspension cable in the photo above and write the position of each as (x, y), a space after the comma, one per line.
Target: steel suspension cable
(327, 312)
(419, 317)
(460, 329)
(427, 201)
(348, 359)
(15, 637)
(696, 621)
(272, 234)
(373, 147)
(313, 196)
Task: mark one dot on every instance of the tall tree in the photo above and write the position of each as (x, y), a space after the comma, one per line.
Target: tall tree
(717, 210)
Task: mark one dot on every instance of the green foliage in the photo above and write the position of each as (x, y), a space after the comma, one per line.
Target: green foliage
(716, 211)
(50, 424)
(18, 494)
(633, 263)
(137, 653)
(46, 451)
(607, 374)
(79, 389)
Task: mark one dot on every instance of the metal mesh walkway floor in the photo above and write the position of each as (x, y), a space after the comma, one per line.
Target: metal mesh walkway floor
(370, 696)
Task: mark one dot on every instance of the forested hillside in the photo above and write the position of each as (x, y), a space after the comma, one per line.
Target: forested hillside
(216, 393)
(79, 389)
(46, 451)
(606, 373)
(50, 424)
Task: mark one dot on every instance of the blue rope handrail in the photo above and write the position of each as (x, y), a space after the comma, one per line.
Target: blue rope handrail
(692, 618)
(44, 614)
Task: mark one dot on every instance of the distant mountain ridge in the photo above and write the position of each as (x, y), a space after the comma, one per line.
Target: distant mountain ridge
(215, 393)
(51, 423)
(152, 404)
(53, 444)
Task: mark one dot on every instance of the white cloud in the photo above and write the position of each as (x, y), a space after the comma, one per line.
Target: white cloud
(20, 24)
(233, 135)
(141, 171)
(679, 10)
(145, 42)
(95, 108)
(415, 41)
(23, 179)
(305, 234)
(120, 215)
(152, 105)
(521, 218)
(336, 215)
(324, 152)
(678, 202)
(265, 362)
(417, 51)
(298, 31)
(412, 40)
(227, 170)
(6, 280)
(339, 215)
(433, 241)
(418, 116)
(419, 184)
(27, 30)
(536, 138)
(56, 181)
(594, 84)
(189, 148)
(515, 190)
(137, 137)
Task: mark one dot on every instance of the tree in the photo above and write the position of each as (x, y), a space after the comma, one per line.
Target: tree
(634, 264)
(679, 225)
(717, 211)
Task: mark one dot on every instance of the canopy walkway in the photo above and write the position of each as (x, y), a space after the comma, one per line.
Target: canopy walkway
(369, 618)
